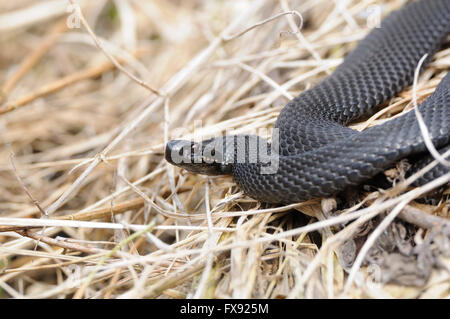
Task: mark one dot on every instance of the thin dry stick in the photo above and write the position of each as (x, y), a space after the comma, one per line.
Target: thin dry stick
(172, 280)
(340, 5)
(300, 36)
(135, 188)
(423, 128)
(54, 242)
(91, 215)
(169, 168)
(22, 184)
(267, 79)
(112, 283)
(108, 198)
(32, 58)
(15, 271)
(209, 243)
(108, 55)
(137, 153)
(405, 183)
(186, 271)
(237, 35)
(60, 84)
(27, 223)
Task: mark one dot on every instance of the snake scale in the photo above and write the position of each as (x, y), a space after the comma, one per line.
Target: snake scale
(317, 155)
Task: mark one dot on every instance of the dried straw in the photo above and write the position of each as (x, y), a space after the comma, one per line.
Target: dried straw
(88, 99)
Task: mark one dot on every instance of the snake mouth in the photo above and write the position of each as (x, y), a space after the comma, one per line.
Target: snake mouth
(192, 157)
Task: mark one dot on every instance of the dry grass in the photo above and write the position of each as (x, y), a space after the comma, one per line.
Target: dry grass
(90, 209)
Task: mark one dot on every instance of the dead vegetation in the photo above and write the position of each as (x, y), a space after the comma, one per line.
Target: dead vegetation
(90, 209)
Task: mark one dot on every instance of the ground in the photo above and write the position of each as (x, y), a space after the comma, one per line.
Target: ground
(89, 208)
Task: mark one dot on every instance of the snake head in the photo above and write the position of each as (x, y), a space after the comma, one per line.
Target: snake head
(207, 157)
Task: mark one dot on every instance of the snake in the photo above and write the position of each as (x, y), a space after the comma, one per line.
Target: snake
(314, 154)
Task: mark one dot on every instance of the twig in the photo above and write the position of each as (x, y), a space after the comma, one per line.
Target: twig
(22, 184)
(267, 79)
(80, 292)
(17, 224)
(108, 55)
(114, 279)
(170, 281)
(237, 35)
(422, 219)
(32, 58)
(300, 36)
(10, 273)
(59, 84)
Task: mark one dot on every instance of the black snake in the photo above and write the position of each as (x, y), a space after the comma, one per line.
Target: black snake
(317, 155)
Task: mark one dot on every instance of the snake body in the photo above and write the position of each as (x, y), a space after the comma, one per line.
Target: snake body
(318, 155)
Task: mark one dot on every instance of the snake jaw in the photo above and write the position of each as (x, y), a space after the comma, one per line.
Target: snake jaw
(202, 158)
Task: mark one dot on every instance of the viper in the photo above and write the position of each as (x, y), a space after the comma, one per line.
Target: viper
(313, 153)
